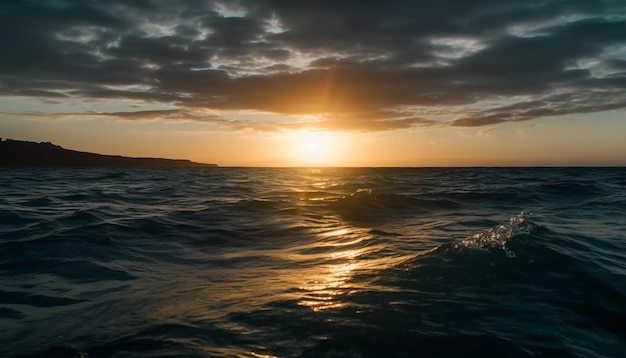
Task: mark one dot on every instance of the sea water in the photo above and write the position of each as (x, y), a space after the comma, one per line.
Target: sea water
(327, 262)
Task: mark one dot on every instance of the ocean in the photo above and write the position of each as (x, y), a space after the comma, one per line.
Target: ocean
(303, 262)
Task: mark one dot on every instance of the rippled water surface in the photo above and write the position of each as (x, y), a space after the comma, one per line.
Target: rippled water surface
(240, 262)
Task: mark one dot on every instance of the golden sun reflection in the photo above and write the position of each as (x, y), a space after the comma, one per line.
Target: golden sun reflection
(333, 280)
(347, 251)
(323, 290)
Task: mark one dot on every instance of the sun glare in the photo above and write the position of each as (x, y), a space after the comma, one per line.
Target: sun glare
(314, 147)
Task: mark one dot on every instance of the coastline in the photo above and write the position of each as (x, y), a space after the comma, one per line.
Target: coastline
(16, 153)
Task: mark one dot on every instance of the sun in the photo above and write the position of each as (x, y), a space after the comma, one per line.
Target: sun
(313, 144)
(314, 147)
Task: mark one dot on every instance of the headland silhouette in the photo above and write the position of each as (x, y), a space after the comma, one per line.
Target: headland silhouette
(17, 153)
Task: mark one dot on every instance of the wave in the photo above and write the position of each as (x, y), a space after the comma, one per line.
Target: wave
(298, 262)
(162, 340)
(517, 269)
(572, 190)
(367, 203)
(498, 237)
(255, 205)
(30, 299)
(518, 242)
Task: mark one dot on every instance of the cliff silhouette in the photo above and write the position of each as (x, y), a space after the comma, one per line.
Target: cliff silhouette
(17, 153)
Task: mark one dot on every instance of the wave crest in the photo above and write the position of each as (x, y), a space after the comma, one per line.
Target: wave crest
(368, 204)
(498, 237)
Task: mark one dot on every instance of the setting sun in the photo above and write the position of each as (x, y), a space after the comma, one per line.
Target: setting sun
(313, 144)
(315, 147)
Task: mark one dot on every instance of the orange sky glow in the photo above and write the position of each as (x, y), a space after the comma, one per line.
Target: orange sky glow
(255, 83)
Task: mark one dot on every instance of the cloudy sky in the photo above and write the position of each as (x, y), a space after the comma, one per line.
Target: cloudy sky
(303, 82)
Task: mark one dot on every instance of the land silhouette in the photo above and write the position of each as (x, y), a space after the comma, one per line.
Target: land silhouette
(17, 153)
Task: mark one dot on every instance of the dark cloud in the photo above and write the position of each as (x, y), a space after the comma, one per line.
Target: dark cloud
(570, 103)
(355, 65)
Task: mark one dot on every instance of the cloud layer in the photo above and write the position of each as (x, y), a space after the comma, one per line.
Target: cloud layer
(352, 65)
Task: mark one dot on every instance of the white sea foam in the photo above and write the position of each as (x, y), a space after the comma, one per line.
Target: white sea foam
(499, 236)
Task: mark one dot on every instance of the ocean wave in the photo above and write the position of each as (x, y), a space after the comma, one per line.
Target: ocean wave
(302, 262)
(498, 237)
(8, 313)
(367, 203)
(35, 300)
(573, 188)
(255, 205)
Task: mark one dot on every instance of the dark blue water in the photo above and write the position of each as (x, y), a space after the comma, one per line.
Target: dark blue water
(313, 262)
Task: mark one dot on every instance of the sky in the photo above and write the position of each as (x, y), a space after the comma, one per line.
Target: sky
(320, 83)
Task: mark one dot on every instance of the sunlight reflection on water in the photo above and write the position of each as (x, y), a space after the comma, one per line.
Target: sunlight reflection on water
(321, 293)
(330, 280)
